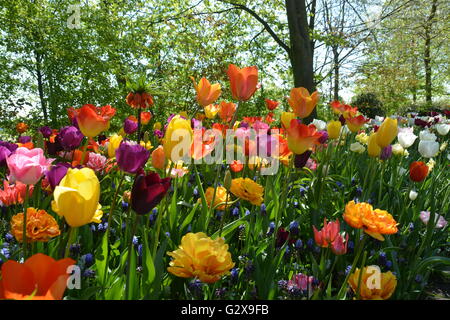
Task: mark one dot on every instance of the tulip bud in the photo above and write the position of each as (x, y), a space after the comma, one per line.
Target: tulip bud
(286, 118)
(127, 196)
(158, 158)
(227, 180)
(413, 195)
(146, 137)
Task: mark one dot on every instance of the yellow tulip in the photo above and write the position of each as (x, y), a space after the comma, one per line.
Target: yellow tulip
(387, 132)
(211, 111)
(334, 129)
(286, 118)
(77, 197)
(178, 138)
(373, 148)
(184, 114)
(114, 143)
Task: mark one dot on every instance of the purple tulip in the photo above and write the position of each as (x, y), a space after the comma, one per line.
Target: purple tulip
(56, 173)
(70, 137)
(131, 157)
(46, 131)
(130, 126)
(10, 146)
(324, 136)
(24, 139)
(53, 147)
(301, 159)
(4, 154)
(386, 153)
(158, 133)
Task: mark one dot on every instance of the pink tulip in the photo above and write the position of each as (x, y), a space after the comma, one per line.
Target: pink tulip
(440, 221)
(27, 166)
(339, 245)
(325, 237)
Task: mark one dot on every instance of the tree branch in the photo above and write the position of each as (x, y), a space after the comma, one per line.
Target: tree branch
(262, 21)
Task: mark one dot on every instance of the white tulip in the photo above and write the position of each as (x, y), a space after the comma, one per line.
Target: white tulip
(357, 147)
(428, 149)
(413, 195)
(319, 124)
(443, 128)
(397, 149)
(406, 137)
(426, 135)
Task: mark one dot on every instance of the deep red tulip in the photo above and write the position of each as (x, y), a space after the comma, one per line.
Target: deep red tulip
(148, 190)
(418, 171)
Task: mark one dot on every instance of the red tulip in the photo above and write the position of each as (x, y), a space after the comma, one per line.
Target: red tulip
(236, 166)
(148, 190)
(39, 274)
(339, 245)
(418, 171)
(271, 104)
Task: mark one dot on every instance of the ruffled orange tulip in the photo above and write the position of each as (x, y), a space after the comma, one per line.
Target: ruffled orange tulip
(243, 82)
(344, 109)
(40, 226)
(206, 93)
(301, 137)
(227, 110)
(374, 222)
(301, 102)
(92, 120)
(40, 275)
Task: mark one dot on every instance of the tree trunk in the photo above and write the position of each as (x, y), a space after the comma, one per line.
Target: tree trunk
(336, 73)
(427, 53)
(41, 84)
(300, 53)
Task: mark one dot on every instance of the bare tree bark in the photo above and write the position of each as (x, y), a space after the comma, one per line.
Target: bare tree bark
(38, 58)
(300, 53)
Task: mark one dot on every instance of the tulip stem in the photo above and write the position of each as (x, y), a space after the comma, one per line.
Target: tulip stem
(358, 294)
(24, 231)
(139, 125)
(355, 261)
(130, 248)
(113, 204)
(70, 240)
(224, 214)
(85, 147)
(158, 225)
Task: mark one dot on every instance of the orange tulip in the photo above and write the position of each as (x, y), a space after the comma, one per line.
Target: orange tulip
(227, 110)
(345, 109)
(158, 158)
(206, 93)
(243, 82)
(92, 120)
(301, 102)
(40, 274)
(355, 123)
(301, 137)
